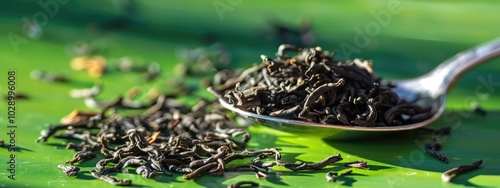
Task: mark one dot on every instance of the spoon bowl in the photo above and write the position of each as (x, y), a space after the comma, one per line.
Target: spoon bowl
(328, 131)
(428, 90)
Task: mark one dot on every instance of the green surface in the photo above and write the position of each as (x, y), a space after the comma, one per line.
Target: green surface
(415, 40)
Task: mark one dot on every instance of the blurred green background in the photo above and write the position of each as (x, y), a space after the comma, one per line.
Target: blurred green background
(404, 39)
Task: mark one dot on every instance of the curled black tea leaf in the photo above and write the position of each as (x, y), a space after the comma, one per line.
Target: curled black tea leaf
(69, 170)
(450, 174)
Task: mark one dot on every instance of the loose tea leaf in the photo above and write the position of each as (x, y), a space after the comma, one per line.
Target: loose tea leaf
(358, 164)
(69, 170)
(110, 179)
(450, 174)
(330, 175)
(312, 166)
(243, 184)
(433, 148)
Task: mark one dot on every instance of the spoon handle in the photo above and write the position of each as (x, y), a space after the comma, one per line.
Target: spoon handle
(450, 71)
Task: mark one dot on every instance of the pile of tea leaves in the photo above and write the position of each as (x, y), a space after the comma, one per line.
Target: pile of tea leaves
(312, 86)
(167, 138)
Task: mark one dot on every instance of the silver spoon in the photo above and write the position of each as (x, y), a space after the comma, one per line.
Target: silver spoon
(427, 90)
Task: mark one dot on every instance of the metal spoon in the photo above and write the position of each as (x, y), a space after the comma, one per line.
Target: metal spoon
(427, 90)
